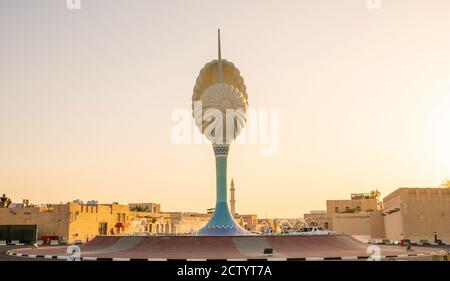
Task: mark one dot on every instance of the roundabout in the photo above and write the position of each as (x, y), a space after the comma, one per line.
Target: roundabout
(230, 248)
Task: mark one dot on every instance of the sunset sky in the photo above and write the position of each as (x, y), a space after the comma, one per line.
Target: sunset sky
(87, 97)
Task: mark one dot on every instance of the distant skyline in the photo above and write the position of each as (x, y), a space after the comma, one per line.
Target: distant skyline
(86, 99)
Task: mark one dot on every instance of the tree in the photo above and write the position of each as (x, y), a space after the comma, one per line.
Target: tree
(139, 208)
(446, 183)
(375, 194)
(4, 201)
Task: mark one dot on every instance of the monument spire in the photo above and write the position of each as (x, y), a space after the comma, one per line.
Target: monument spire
(219, 71)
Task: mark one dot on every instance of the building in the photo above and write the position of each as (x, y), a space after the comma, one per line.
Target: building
(368, 224)
(82, 222)
(407, 213)
(73, 221)
(318, 218)
(359, 202)
(417, 214)
(248, 222)
(186, 223)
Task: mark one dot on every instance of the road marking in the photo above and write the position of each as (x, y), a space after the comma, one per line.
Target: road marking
(315, 259)
(121, 259)
(276, 259)
(349, 258)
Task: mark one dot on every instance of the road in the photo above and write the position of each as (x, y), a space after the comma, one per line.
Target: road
(5, 257)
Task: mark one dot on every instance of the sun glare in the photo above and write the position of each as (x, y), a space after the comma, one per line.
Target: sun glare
(439, 129)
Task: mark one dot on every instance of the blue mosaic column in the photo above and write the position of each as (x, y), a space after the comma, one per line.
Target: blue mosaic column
(222, 222)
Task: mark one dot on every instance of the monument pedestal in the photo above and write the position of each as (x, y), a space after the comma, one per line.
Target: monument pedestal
(222, 222)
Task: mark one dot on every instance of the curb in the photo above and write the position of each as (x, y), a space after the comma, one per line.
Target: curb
(29, 244)
(413, 244)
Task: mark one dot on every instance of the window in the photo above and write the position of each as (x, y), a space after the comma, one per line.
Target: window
(325, 225)
(336, 209)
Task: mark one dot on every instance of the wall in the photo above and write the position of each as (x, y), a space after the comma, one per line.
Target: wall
(393, 222)
(423, 211)
(377, 230)
(365, 205)
(322, 219)
(352, 224)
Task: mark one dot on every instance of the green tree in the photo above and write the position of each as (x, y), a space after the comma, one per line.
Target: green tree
(139, 208)
(376, 194)
(446, 183)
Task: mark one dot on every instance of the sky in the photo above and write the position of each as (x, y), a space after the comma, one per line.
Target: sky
(87, 99)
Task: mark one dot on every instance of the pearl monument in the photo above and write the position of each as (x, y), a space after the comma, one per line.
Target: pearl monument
(220, 104)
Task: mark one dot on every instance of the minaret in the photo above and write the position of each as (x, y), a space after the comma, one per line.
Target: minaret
(232, 200)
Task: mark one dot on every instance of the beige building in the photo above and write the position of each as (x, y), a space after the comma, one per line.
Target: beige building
(248, 222)
(76, 221)
(359, 202)
(409, 213)
(417, 214)
(370, 224)
(319, 218)
(73, 221)
(185, 223)
(360, 215)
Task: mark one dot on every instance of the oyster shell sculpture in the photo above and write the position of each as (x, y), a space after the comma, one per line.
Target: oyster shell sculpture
(220, 107)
